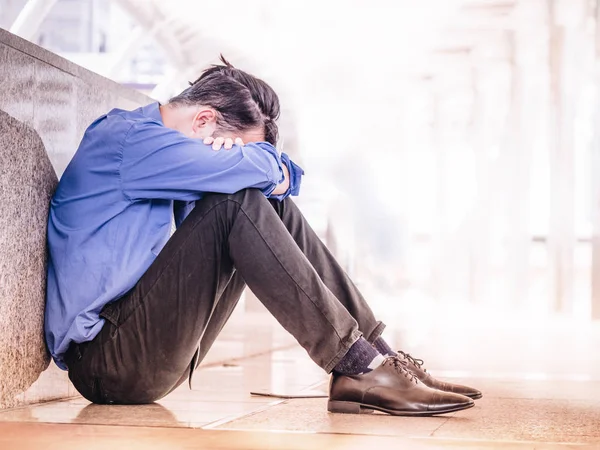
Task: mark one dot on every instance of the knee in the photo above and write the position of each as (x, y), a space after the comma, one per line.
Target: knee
(250, 195)
(227, 203)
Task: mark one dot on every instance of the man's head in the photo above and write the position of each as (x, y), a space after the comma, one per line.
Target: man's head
(225, 102)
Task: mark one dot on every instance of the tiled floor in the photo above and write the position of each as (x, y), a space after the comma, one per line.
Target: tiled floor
(541, 383)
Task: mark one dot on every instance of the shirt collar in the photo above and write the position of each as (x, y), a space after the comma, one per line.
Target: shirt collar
(153, 112)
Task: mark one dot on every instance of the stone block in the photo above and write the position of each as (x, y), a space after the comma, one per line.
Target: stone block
(46, 104)
(27, 181)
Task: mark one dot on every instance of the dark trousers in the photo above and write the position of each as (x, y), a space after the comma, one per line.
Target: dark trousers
(159, 332)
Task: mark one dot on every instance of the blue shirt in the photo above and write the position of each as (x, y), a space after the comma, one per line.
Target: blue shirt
(112, 211)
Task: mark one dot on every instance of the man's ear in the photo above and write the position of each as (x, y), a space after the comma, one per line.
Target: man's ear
(204, 123)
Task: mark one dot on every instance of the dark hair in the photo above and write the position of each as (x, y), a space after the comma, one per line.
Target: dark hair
(241, 100)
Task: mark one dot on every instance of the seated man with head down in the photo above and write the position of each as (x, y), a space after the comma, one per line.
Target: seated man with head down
(132, 310)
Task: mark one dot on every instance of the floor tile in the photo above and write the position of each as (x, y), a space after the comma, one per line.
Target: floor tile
(91, 437)
(311, 416)
(517, 419)
(541, 388)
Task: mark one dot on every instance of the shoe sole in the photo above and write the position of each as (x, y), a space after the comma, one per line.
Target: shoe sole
(474, 397)
(334, 406)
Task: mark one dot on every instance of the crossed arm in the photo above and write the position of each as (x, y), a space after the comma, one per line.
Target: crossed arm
(161, 163)
(228, 143)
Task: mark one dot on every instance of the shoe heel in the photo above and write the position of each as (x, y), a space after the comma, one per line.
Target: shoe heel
(347, 408)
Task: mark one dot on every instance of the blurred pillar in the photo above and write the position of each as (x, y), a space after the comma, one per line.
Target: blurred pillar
(491, 85)
(516, 162)
(453, 172)
(525, 124)
(449, 256)
(437, 233)
(31, 17)
(595, 179)
(566, 28)
(125, 52)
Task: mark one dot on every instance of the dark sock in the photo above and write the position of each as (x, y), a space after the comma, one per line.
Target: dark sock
(383, 347)
(362, 357)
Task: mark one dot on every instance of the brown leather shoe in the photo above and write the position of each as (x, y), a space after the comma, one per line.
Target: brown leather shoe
(416, 366)
(390, 388)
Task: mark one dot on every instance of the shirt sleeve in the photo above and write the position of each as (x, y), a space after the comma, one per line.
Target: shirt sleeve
(162, 163)
(182, 209)
(296, 173)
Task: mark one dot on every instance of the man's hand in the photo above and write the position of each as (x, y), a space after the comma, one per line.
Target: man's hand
(219, 142)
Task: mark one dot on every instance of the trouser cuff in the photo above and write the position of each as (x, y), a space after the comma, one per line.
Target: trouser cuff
(377, 332)
(346, 344)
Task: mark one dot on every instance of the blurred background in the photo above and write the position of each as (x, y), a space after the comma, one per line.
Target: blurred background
(450, 146)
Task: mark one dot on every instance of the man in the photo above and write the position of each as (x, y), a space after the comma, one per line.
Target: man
(132, 311)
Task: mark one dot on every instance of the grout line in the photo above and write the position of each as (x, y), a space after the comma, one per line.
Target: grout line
(205, 366)
(73, 69)
(41, 403)
(37, 58)
(431, 435)
(314, 386)
(465, 440)
(228, 419)
(224, 420)
(502, 441)
(423, 439)
(243, 357)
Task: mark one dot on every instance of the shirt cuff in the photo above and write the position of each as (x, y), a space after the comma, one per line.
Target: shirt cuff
(296, 173)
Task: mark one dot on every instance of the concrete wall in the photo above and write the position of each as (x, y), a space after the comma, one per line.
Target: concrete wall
(46, 103)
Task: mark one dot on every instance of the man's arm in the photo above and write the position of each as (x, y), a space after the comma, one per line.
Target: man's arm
(291, 171)
(161, 163)
(290, 186)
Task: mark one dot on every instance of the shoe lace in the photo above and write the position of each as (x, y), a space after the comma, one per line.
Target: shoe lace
(401, 367)
(416, 361)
